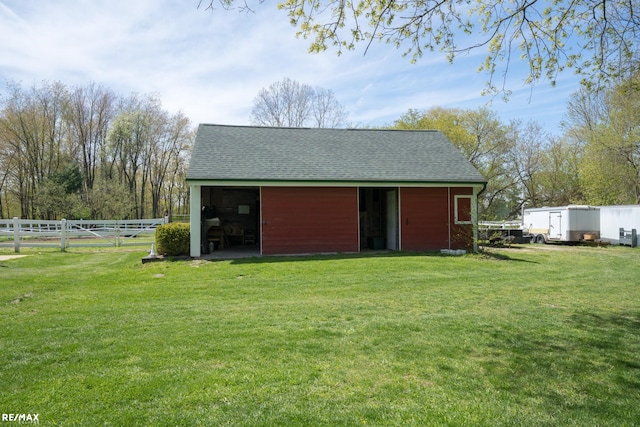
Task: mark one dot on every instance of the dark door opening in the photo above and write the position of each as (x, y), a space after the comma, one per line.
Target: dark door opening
(231, 217)
(378, 218)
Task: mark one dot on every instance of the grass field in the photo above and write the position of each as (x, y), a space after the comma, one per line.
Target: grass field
(528, 336)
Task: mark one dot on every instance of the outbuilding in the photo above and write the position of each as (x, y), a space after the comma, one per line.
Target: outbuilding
(303, 190)
(618, 222)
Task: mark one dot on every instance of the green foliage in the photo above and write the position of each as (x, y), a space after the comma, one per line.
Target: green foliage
(610, 137)
(560, 175)
(173, 239)
(58, 196)
(109, 199)
(482, 138)
(70, 178)
(52, 201)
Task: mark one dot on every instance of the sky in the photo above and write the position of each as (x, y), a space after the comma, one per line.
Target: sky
(211, 64)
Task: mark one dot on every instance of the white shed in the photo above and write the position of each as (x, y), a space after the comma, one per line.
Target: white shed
(613, 218)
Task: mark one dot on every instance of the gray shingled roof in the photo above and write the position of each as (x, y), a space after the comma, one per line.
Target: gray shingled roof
(240, 153)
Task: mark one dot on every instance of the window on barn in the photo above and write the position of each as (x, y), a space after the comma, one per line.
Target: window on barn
(462, 209)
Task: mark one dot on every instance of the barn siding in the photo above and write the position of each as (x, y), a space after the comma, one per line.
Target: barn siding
(427, 219)
(309, 220)
(424, 224)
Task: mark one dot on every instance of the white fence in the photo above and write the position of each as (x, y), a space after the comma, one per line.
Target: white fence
(492, 225)
(19, 233)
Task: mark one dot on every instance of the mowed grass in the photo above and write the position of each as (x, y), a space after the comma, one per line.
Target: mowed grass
(535, 335)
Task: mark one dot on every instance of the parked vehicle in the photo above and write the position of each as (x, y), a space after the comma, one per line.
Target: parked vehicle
(564, 224)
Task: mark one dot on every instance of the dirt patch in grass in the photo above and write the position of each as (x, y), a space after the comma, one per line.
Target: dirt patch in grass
(21, 298)
(530, 248)
(8, 257)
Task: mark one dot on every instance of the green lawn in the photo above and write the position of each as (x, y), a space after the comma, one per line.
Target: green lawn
(530, 336)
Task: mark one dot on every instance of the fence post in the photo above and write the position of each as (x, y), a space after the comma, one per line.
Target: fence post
(117, 231)
(634, 238)
(63, 235)
(16, 234)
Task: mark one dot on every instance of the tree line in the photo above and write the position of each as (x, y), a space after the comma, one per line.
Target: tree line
(88, 152)
(595, 161)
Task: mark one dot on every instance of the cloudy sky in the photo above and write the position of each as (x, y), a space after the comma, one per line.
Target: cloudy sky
(211, 64)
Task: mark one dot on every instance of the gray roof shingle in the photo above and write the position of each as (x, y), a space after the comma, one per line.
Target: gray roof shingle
(248, 153)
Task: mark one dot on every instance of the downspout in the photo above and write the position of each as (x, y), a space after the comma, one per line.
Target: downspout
(475, 220)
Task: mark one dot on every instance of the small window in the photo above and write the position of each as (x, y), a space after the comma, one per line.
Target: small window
(462, 209)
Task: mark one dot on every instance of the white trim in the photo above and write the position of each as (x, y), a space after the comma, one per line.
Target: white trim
(364, 184)
(455, 208)
(195, 216)
(474, 217)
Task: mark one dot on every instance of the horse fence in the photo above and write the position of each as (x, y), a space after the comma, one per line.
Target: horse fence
(64, 234)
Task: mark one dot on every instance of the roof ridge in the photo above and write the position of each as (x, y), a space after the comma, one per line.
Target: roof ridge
(319, 129)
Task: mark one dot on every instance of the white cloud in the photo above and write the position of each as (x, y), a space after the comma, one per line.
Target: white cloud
(211, 64)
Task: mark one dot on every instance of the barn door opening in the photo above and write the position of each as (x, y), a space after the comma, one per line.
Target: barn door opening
(230, 218)
(379, 218)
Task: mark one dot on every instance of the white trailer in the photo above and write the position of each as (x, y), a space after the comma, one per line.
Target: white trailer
(564, 224)
(614, 218)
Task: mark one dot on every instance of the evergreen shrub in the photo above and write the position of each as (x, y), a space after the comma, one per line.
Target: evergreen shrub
(173, 239)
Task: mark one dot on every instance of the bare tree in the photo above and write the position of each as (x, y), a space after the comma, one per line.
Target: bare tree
(32, 128)
(290, 104)
(527, 160)
(89, 113)
(172, 139)
(326, 110)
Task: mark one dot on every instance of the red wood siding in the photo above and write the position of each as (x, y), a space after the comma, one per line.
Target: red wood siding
(309, 220)
(427, 219)
(424, 219)
(463, 205)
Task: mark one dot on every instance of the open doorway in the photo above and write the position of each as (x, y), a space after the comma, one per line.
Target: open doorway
(230, 218)
(378, 218)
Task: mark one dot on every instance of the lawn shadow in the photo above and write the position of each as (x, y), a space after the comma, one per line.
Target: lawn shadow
(594, 356)
(367, 254)
(252, 256)
(500, 256)
(332, 256)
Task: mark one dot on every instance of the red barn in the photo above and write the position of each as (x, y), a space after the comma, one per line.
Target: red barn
(301, 190)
